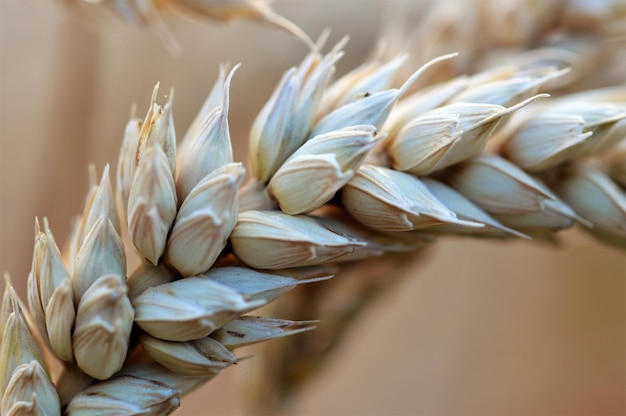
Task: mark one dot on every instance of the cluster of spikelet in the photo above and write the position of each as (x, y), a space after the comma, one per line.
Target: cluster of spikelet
(341, 171)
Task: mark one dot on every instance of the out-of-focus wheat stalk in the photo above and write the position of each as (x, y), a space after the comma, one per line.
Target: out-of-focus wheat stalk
(351, 176)
(149, 13)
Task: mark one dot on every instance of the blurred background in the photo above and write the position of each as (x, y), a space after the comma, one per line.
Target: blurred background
(476, 327)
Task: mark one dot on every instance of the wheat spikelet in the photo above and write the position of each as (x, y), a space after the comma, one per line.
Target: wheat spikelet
(338, 178)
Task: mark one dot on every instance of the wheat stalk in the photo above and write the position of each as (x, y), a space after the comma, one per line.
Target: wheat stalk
(342, 171)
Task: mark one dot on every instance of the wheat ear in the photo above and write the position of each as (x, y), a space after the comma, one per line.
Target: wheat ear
(342, 193)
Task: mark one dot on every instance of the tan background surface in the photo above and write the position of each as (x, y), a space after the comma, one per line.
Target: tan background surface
(479, 328)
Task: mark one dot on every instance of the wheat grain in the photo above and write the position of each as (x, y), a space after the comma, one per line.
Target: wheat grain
(595, 197)
(189, 309)
(152, 204)
(468, 211)
(204, 221)
(196, 358)
(25, 383)
(284, 121)
(125, 395)
(288, 241)
(312, 175)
